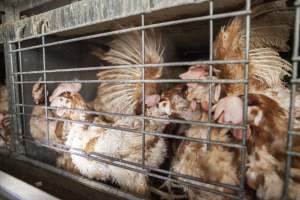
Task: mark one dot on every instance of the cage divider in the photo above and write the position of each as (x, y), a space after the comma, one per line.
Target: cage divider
(211, 57)
(143, 88)
(17, 128)
(22, 86)
(243, 151)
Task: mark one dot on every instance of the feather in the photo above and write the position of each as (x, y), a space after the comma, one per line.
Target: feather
(268, 67)
(3, 99)
(126, 50)
(270, 25)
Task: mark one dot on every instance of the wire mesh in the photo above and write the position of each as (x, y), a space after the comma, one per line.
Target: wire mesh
(17, 83)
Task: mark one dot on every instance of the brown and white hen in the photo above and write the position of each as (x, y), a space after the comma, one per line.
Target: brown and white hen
(266, 142)
(119, 144)
(218, 164)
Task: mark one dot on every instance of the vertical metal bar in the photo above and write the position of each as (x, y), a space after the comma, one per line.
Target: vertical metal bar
(143, 88)
(16, 130)
(22, 86)
(45, 89)
(245, 106)
(11, 65)
(211, 43)
(292, 103)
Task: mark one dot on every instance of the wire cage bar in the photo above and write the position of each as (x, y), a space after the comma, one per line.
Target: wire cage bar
(292, 132)
(44, 42)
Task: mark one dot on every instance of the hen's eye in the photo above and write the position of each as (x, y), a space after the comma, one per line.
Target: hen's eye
(225, 36)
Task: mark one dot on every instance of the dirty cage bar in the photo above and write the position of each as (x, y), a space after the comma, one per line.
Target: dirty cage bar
(21, 49)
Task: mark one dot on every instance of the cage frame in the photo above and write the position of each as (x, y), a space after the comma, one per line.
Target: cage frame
(13, 52)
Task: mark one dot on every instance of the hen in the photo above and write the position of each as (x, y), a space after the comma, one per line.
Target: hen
(268, 103)
(266, 134)
(38, 122)
(126, 49)
(58, 130)
(119, 144)
(216, 164)
(199, 92)
(270, 24)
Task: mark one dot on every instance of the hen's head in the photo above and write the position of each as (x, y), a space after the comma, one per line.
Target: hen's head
(228, 39)
(265, 118)
(65, 87)
(66, 102)
(176, 106)
(200, 91)
(65, 98)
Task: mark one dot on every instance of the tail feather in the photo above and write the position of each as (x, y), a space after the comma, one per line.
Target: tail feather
(268, 67)
(98, 52)
(270, 25)
(260, 8)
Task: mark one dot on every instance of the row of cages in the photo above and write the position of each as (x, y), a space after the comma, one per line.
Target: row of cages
(200, 107)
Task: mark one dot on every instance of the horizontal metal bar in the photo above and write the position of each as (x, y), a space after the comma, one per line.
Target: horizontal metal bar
(296, 58)
(222, 81)
(159, 119)
(294, 133)
(158, 25)
(139, 168)
(13, 188)
(293, 153)
(204, 141)
(170, 64)
(295, 81)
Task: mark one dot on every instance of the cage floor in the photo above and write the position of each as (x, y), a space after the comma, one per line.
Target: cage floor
(54, 184)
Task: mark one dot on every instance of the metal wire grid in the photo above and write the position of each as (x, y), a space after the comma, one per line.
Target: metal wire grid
(17, 87)
(294, 84)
